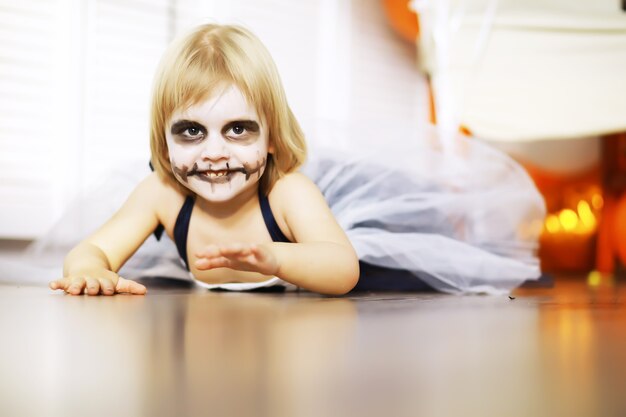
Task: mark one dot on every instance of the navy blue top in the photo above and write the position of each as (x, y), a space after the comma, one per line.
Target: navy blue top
(181, 228)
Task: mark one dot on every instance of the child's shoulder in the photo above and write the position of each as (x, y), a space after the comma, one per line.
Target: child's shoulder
(293, 185)
(159, 190)
(287, 194)
(294, 192)
(153, 183)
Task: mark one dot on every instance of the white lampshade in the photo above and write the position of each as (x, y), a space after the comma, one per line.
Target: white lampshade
(543, 70)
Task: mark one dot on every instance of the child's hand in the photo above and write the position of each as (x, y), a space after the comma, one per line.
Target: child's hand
(96, 282)
(242, 257)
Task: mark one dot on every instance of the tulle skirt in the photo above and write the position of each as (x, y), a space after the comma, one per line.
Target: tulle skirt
(451, 215)
(452, 211)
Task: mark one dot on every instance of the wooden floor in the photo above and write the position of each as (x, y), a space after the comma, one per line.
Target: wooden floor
(183, 351)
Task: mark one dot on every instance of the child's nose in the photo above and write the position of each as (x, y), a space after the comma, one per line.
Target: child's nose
(215, 148)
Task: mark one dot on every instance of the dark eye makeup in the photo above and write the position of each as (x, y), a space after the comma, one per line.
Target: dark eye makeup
(188, 129)
(236, 129)
(239, 127)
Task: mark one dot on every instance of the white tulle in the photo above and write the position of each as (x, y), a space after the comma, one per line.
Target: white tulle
(464, 221)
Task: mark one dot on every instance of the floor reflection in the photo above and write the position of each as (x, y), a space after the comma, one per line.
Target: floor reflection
(583, 336)
(272, 350)
(185, 351)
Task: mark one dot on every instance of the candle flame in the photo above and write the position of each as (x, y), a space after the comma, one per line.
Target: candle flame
(583, 220)
(568, 219)
(597, 201)
(586, 215)
(552, 223)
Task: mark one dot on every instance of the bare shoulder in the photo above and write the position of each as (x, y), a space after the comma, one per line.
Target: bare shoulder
(153, 184)
(304, 210)
(150, 184)
(294, 182)
(150, 190)
(288, 195)
(294, 194)
(159, 195)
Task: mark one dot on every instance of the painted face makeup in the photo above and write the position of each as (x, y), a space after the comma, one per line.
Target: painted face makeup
(219, 147)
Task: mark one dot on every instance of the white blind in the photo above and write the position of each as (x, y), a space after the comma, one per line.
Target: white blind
(28, 31)
(75, 79)
(125, 40)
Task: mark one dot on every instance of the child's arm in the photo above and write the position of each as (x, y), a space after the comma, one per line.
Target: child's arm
(92, 265)
(322, 260)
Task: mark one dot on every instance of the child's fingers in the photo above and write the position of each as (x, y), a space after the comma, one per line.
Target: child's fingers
(258, 252)
(60, 284)
(127, 286)
(220, 262)
(106, 286)
(71, 285)
(209, 252)
(230, 249)
(235, 249)
(76, 286)
(92, 286)
(88, 285)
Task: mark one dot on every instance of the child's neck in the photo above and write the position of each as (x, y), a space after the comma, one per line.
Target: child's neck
(241, 203)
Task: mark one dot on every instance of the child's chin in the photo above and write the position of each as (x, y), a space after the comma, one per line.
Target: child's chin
(217, 198)
(219, 194)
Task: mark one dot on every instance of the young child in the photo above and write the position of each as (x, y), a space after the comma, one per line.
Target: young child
(226, 150)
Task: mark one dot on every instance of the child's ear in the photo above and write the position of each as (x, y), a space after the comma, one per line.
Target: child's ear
(271, 149)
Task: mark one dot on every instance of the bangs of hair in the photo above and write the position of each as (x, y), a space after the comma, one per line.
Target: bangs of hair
(208, 61)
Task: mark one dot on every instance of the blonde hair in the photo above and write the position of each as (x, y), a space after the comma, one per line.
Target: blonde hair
(207, 57)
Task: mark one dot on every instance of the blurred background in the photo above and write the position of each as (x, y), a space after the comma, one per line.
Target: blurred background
(540, 79)
(76, 75)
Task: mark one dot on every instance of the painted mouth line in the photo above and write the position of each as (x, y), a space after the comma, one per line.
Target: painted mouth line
(215, 172)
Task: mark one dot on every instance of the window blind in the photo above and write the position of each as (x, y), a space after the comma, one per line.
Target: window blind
(125, 40)
(28, 32)
(75, 79)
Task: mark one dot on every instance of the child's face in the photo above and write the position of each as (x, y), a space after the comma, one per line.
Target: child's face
(218, 147)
